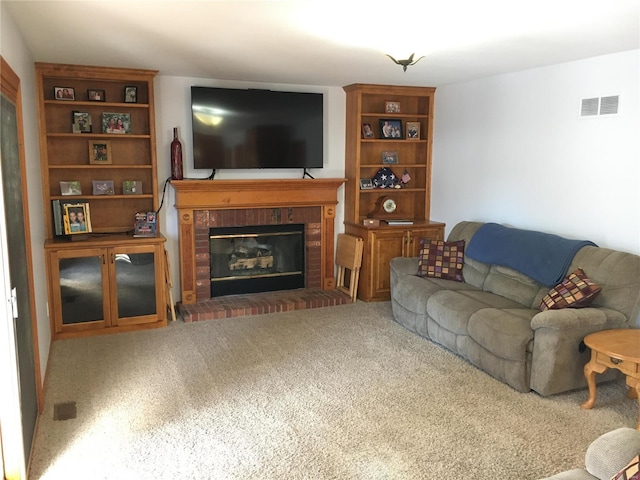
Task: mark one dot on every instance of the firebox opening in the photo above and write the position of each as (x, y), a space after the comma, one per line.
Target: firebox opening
(255, 259)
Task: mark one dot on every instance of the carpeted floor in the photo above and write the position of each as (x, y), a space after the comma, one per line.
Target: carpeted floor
(329, 393)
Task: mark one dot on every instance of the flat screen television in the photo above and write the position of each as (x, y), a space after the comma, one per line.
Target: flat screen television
(235, 128)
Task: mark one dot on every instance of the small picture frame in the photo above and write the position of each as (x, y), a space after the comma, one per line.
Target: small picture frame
(64, 93)
(366, 184)
(81, 122)
(391, 107)
(100, 152)
(413, 130)
(391, 128)
(130, 94)
(70, 188)
(103, 187)
(118, 123)
(367, 131)
(132, 187)
(76, 218)
(96, 95)
(390, 158)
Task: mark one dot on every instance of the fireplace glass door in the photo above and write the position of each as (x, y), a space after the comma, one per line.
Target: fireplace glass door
(256, 259)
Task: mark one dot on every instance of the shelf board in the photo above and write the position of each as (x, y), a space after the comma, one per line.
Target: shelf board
(110, 136)
(390, 191)
(395, 115)
(66, 103)
(391, 165)
(101, 197)
(383, 140)
(101, 167)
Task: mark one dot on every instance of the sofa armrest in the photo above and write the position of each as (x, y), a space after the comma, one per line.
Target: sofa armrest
(401, 266)
(558, 358)
(572, 318)
(611, 452)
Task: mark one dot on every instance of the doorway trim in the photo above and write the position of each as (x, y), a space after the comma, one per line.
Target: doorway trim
(13, 456)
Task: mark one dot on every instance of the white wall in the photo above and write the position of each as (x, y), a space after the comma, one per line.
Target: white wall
(512, 149)
(173, 109)
(18, 56)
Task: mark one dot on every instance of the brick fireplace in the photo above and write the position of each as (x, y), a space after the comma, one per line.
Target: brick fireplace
(203, 204)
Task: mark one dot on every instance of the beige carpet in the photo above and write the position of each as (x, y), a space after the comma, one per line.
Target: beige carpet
(329, 393)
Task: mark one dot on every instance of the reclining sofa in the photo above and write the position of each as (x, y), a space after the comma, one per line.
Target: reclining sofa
(491, 314)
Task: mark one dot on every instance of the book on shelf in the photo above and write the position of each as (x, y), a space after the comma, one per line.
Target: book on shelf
(400, 221)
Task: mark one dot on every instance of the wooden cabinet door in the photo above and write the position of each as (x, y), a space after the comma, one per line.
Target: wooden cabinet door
(386, 245)
(136, 280)
(79, 290)
(413, 242)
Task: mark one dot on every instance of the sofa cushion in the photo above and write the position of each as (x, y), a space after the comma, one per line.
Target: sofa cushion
(452, 309)
(575, 291)
(630, 472)
(611, 451)
(439, 259)
(507, 282)
(505, 333)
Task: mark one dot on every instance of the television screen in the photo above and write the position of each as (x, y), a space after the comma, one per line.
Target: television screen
(234, 128)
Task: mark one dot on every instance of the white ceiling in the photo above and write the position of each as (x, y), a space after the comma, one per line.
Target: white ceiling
(325, 43)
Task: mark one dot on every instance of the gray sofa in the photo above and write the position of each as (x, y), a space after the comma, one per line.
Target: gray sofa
(493, 318)
(606, 456)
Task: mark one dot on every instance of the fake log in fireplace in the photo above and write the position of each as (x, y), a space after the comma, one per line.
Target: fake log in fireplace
(252, 259)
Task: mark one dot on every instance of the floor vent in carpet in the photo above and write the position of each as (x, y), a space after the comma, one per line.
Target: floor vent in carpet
(64, 411)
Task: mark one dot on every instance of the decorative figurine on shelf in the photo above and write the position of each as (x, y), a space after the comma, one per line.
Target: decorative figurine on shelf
(176, 157)
(405, 178)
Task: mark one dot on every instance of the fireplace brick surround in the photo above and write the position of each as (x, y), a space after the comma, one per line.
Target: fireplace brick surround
(203, 204)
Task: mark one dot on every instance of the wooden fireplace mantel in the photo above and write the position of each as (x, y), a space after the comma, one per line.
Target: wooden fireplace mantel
(194, 195)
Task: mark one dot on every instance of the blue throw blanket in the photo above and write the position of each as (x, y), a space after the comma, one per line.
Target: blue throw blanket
(541, 256)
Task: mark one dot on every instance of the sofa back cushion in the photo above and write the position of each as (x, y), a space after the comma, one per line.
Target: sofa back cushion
(473, 272)
(618, 273)
(509, 283)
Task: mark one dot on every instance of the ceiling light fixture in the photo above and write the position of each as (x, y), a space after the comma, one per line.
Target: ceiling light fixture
(407, 62)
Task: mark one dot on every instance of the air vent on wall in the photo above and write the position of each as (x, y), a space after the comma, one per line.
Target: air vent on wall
(592, 107)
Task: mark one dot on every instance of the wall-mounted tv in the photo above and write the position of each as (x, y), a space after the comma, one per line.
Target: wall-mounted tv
(235, 128)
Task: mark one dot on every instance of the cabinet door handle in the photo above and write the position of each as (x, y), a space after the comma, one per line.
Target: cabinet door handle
(616, 361)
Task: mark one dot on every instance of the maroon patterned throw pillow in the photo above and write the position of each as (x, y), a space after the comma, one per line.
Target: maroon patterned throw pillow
(439, 259)
(575, 291)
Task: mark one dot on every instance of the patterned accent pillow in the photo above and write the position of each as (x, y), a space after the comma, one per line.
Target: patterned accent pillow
(630, 472)
(440, 259)
(575, 291)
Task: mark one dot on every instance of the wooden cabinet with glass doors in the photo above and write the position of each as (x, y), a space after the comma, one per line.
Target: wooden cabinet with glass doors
(85, 161)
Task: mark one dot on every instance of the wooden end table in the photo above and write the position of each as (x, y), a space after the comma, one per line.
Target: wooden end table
(619, 349)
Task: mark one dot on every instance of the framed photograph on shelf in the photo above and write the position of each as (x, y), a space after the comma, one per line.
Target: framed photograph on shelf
(64, 93)
(100, 152)
(390, 158)
(391, 107)
(130, 94)
(132, 187)
(95, 95)
(76, 218)
(390, 128)
(366, 184)
(70, 188)
(367, 131)
(103, 187)
(413, 130)
(116, 123)
(81, 122)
